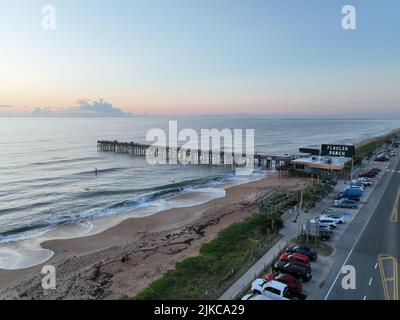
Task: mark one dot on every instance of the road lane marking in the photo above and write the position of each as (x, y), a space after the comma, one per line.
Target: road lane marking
(358, 239)
(389, 280)
(394, 217)
(376, 266)
(365, 298)
(370, 281)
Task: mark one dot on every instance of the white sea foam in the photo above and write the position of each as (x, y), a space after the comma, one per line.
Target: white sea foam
(29, 252)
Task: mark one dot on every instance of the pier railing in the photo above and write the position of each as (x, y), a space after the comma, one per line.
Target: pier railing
(196, 156)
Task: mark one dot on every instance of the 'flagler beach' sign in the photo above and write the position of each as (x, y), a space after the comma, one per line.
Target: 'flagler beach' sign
(335, 150)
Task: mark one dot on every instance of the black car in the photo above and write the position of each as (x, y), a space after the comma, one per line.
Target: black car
(342, 195)
(304, 250)
(300, 271)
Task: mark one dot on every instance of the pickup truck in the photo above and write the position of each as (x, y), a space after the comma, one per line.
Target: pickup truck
(366, 182)
(275, 290)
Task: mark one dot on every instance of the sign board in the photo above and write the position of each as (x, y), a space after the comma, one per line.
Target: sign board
(313, 152)
(336, 150)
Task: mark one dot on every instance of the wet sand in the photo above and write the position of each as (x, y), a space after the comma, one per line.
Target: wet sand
(127, 257)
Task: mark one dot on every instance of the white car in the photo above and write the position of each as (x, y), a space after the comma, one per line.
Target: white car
(322, 220)
(353, 186)
(255, 296)
(337, 217)
(366, 182)
(271, 289)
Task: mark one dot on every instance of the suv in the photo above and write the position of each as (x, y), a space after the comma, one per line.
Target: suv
(345, 203)
(297, 270)
(322, 220)
(337, 217)
(293, 284)
(304, 250)
(295, 257)
(344, 195)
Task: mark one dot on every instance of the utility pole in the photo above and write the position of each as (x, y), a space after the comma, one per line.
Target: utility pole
(316, 235)
(352, 168)
(299, 213)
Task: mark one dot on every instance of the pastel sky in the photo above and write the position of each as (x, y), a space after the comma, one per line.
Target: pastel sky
(202, 56)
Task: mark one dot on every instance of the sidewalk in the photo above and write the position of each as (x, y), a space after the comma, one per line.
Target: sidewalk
(288, 232)
(250, 275)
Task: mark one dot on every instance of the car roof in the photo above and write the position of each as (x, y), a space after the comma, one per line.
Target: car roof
(278, 285)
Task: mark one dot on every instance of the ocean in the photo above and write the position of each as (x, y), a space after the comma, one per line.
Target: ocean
(48, 185)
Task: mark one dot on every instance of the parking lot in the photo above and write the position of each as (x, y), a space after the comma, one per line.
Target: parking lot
(322, 265)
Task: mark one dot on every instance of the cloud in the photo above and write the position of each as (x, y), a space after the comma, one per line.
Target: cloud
(5, 107)
(86, 109)
(103, 108)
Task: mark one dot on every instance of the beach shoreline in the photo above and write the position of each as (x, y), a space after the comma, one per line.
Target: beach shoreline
(125, 258)
(152, 245)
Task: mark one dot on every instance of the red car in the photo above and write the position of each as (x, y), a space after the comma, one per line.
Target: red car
(368, 174)
(292, 283)
(295, 257)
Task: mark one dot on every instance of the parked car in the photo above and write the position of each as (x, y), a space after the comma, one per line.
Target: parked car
(297, 270)
(325, 233)
(255, 296)
(271, 289)
(293, 284)
(304, 250)
(366, 182)
(339, 219)
(357, 185)
(369, 174)
(295, 257)
(344, 195)
(345, 203)
(354, 189)
(382, 158)
(325, 221)
(350, 191)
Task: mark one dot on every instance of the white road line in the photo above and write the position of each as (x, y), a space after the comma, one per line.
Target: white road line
(358, 238)
(376, 266)
(365, 298)
(370, 281)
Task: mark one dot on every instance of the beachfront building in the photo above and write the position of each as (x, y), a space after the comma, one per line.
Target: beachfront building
(323, 166)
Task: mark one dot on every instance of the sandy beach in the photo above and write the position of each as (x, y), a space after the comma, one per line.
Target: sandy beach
(127, 257)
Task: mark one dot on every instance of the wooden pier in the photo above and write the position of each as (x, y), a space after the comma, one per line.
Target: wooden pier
(210, 157)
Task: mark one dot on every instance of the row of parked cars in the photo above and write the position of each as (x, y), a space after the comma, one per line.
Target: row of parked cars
(284, 282)
(352, 194)
(385, 154)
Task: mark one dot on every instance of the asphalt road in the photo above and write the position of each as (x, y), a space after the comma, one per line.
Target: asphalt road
(372, 245)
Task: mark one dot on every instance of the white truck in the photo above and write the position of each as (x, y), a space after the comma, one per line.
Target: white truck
(271, 289)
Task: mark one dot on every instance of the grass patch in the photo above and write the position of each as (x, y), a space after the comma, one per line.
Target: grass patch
(219, 261)
(368, 149)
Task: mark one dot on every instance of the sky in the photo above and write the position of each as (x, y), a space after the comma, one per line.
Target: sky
(167, 57)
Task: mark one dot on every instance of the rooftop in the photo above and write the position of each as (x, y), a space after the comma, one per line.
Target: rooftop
(323, 162)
